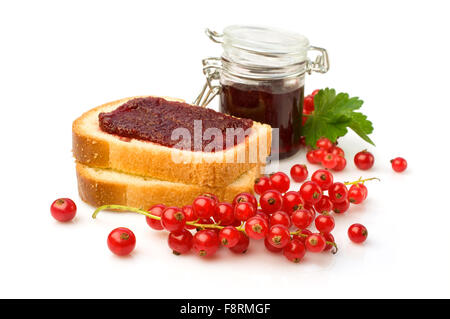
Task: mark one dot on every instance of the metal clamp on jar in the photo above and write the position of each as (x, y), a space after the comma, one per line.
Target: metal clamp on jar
(261, 76)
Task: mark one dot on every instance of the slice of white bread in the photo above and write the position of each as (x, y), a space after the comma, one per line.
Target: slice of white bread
(93, 147)
(98, 187)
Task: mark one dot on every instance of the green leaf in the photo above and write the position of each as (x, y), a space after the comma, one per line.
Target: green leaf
(333, 114)
(362, 126)
(323, 126)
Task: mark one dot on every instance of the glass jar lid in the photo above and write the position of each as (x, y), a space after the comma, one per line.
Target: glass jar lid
(262, 46)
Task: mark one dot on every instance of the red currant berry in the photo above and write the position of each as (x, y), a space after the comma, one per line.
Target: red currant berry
(224, 214)
(312, 212)
(280, 218)
(306, 112)
(292, 201)
(242, 246)
(263, 215)
(246, 197)
(338, 192)
(399, 164)
(155, 210)
(204, 206)
(304, 118)
(236, 223)
(270, 247)
(341, 162)
(294, 251)
(213, 230)
(303, 235)
(262, 184)
(364, 160)
(271, 201)
(63, 209)
(310, 156)
(363, 188)
(173, 219)
(309, 206)
(229, 236)
(190, 215)
(205, 243)
(279, 236)
(315, 243)
(308, 104)
(324, 223)
(121, 241)
(355, 195)
(336, 150)
(299, 173)
(310, 192)
(243, 211)
(341, 207)
(329, 161)
(256, 227)
(302, 218)
(319, 154)
(280, 181)
(181, 242)
(357, 233)
(302, 140)
(324, 205)
(323, 178)
(329, 238)
(324, 143)
(213, 197)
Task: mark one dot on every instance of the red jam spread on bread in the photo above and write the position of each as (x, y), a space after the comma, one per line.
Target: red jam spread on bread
(154, 119)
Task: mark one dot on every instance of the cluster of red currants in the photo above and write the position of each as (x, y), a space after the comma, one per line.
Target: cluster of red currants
(327, 154)
(333, 157)
(281, 218)
(303, 205)
(232, 225)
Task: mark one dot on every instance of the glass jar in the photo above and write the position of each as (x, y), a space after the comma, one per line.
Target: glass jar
(261, 76)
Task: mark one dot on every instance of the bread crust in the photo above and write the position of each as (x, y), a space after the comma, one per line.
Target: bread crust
(96, 189)
(142, 158)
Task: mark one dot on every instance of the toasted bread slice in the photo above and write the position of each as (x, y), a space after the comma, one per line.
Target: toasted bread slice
(93, 147)
(98, 187)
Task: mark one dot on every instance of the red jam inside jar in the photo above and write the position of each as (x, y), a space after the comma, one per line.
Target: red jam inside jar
(278, 105)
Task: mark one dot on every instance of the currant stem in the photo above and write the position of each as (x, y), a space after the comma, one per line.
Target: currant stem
(145, 213)
(360, 180)
(192, 223)
(241, 227)
(124, 208)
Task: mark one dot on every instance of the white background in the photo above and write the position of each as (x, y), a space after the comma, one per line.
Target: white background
(59, 59)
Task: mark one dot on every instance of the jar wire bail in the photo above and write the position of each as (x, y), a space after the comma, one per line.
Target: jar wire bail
(321, 64)
(211, 69)
(214, 36)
